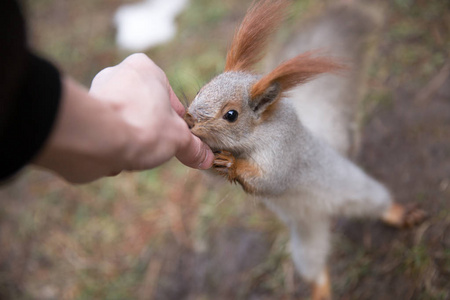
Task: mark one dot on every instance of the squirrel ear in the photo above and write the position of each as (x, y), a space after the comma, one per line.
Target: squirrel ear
(260, 102)
(261, 21)
(298, 70)
(289, 74)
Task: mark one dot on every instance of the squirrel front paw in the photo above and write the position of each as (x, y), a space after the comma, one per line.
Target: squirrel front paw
(225, 164)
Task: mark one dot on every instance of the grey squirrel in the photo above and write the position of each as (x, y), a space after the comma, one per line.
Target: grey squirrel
(287, 140)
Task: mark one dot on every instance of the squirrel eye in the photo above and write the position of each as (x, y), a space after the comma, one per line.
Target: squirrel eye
(231, 115)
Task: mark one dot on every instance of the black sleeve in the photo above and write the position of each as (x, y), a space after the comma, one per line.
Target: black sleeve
(30, 92)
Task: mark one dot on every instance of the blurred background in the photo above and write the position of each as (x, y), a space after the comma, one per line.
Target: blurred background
(169, 233)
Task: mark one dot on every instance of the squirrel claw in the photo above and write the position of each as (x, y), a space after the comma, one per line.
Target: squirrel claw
(413, 216)
(404, 216)
(224, 164)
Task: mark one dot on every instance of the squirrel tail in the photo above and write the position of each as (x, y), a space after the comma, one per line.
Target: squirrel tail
(329, 106)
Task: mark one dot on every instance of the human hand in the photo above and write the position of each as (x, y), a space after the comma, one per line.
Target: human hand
(130, 120)
(141, 93)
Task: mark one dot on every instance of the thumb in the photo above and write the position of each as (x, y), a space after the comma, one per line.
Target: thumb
(195, 154)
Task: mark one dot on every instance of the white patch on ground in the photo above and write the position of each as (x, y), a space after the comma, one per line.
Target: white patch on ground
(146, 24)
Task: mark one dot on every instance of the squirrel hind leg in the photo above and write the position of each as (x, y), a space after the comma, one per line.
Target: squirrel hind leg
(403, 216)
(310, 243)
(321, 288)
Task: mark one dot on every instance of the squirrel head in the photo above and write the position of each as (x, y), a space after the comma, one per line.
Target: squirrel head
(226, 111)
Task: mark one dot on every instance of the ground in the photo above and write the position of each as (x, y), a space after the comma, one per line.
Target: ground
(170, 233)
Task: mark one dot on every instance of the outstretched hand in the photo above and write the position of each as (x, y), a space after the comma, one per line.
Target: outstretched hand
(129, 120)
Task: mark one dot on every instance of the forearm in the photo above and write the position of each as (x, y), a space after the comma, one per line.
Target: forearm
(89, 137)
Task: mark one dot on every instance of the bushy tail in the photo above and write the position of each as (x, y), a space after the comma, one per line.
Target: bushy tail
(329, 106)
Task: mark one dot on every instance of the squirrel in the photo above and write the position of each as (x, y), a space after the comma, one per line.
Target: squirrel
(287, 140)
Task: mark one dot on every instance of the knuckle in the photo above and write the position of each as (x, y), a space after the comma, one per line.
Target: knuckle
(140, 60)
(103, 73)
(136, 58)
(142, 63)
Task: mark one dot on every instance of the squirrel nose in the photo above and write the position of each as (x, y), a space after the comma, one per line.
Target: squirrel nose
(189, 120)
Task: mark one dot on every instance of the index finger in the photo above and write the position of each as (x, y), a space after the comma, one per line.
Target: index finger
(174, 101)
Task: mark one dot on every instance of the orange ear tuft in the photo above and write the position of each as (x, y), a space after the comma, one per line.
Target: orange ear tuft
(261, 20)
(295, 71)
